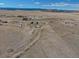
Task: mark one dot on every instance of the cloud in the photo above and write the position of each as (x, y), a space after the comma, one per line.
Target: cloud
(61, 4)
(1, 4)
(55, 4)
(20, 5)
(37, 3)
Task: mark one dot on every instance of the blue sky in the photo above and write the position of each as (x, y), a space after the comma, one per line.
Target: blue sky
(47, 4)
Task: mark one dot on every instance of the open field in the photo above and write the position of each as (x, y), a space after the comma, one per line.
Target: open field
(31, 34)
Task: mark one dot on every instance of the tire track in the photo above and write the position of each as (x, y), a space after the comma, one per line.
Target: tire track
(35, 37)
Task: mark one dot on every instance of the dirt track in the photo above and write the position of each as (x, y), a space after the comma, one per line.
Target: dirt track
(54, 35)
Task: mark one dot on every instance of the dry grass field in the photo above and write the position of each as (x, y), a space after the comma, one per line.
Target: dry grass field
(37, 34)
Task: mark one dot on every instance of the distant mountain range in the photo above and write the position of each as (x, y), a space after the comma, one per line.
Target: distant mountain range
(39, 9)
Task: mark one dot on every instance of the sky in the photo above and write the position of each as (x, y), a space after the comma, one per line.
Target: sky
(43, 4)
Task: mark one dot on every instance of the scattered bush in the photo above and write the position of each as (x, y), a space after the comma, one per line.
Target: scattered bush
(25, 19)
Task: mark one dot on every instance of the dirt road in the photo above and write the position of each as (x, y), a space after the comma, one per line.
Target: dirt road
(53, 35)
